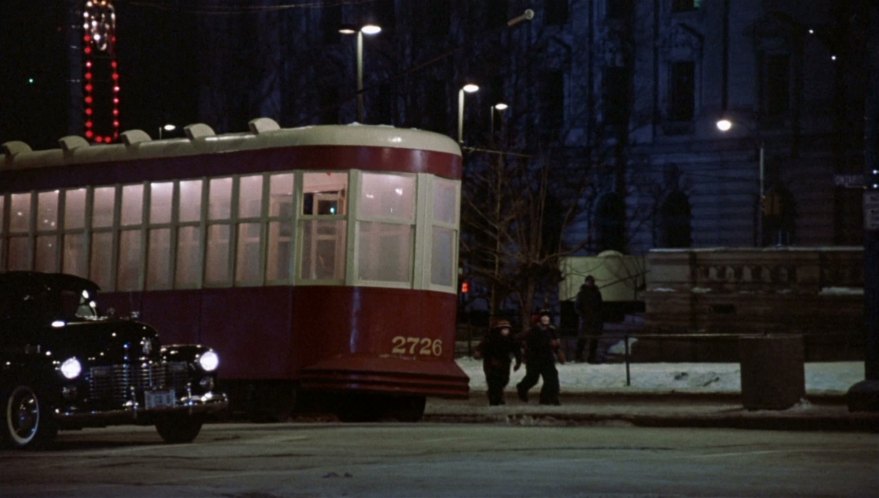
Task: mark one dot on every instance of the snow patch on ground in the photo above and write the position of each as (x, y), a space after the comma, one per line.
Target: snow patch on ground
(725, 378)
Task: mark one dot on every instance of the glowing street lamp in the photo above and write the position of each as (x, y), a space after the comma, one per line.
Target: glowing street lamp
(368, 29)
(468, 88)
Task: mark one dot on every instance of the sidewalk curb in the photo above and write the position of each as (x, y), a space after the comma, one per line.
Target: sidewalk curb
(850, 423)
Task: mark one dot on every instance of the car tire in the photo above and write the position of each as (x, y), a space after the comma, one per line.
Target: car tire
(176, 429)
(27, 421)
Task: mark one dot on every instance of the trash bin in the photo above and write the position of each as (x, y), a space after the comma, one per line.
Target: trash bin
(773, 372)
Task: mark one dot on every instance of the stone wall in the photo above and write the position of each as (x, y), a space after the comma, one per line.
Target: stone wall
(817, 292)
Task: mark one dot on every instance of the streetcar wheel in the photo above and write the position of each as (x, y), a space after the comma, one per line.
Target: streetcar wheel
(26, 418)
(179, 428)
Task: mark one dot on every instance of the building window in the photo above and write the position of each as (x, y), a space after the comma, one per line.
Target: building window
(682, 91)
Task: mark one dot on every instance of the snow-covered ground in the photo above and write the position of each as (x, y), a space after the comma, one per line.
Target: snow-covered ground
(821, 378)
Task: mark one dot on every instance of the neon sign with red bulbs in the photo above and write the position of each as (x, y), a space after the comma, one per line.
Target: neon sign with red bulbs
(100, 72)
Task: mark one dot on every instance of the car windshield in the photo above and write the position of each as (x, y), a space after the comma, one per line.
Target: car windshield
(77, 304)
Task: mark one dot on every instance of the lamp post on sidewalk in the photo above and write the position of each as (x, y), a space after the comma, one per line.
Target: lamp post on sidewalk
(368, 29)
(725, 125)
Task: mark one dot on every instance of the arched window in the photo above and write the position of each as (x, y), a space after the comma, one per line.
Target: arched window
(674, 221)
(610, 223)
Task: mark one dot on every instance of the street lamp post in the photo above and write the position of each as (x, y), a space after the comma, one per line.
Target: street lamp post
(724, 125)
(468, 88)
(499, 108)
(369, 29)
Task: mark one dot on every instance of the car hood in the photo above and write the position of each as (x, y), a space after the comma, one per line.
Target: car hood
(108, 340)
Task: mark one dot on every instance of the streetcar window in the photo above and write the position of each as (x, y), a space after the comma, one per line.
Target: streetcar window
(188, 258)
(130, 260)
(189, 204)
(102, 258)
(324, 193)
(102, 206)
(280, 229)
(220, 199)
(441, 256)
(387, 196)
(132, 205)
(73, 260)
(160, 202)
(247, 264)
(323, 255)
(159, 259)
(47, 243)
(444, 202)
(217, 255)
(385, 251)
(47, 251)
(281, 193)
(47, 211)
(20, 214)
(250, 196)
(444, 238)
(74, 209)
(19, 258)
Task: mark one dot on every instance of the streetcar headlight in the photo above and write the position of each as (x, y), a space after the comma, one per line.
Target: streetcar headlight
(71, 368)
(209, 361)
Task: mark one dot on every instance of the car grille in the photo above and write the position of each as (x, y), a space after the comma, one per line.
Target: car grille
(127, 382)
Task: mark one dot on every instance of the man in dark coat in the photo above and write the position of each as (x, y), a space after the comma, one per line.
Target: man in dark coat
(541, 347)
(588, 306)
(496, 350)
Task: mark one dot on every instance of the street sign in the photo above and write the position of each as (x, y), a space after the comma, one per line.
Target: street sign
(871, 210)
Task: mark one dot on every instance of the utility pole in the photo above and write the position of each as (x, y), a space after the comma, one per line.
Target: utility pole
(864, 396)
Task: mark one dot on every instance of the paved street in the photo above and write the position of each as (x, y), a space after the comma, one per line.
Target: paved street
(435, 459)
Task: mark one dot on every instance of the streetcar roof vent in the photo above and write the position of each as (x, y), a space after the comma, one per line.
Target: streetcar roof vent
(72, 142)
(15, 148)
(132, 137)
(198, 130)
(262, 125)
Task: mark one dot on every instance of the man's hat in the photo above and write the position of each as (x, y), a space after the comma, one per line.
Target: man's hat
(502, 324)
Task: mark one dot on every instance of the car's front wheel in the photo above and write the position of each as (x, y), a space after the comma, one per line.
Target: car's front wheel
(179, 428)
(26, 418)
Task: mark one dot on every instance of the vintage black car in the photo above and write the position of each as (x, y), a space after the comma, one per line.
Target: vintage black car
(64, 366)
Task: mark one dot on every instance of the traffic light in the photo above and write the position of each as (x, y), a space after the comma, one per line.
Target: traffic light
(465, 287)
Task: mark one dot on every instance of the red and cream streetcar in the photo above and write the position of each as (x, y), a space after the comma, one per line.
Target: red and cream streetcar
(320, 262)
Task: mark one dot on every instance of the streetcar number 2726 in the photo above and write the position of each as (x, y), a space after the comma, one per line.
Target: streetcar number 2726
(417, 346)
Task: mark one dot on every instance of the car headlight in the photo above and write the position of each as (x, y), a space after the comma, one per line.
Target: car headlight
(71, 368)
(209, 361)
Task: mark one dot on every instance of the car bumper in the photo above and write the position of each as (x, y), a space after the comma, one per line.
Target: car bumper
(134, 412)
